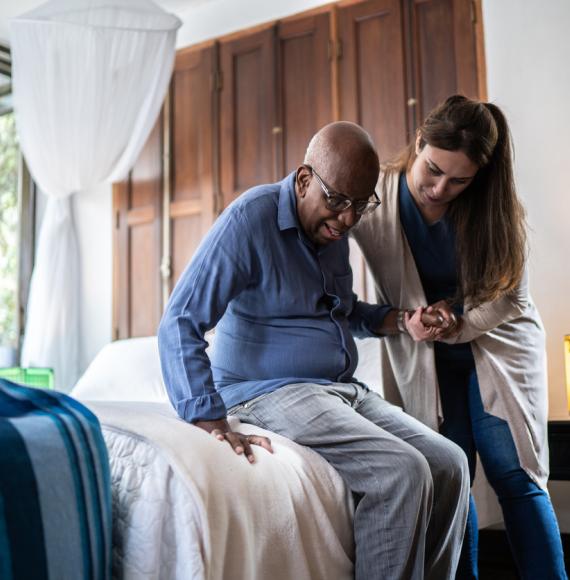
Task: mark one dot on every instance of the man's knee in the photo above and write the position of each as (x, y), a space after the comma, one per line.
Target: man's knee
(401, 467)
(449, 462)
(411, 468)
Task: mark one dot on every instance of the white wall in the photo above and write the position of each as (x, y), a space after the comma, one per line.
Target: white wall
(214, 18)
(528, 46)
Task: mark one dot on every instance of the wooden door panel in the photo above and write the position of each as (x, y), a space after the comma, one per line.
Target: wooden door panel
(304, 86)
(144, 287)
(372, 72)
(435, 52)
(443, 55)
(192, 129)
(137, 290)
(192, 122)
(465, 36)
(186, 233)
(247, 103)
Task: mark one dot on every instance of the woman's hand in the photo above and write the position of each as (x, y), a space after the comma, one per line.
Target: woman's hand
(451, 324)
(424, 324)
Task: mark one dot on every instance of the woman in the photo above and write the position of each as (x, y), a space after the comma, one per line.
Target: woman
(451, 234)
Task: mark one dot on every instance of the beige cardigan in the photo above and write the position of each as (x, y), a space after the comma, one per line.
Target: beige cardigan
(507, 339)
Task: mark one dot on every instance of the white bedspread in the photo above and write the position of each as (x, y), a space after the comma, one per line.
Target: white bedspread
(186, 507)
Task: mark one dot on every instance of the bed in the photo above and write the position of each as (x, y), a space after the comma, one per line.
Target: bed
(185, 506)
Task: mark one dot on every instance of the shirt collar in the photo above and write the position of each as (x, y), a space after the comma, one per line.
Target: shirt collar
(287, 211)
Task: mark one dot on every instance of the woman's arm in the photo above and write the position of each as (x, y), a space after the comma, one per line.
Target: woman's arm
(488, 316)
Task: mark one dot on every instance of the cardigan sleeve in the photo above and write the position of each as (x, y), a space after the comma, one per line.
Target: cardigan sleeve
(487, 316)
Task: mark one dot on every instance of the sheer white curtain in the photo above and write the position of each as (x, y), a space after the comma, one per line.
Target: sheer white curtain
(89, 78)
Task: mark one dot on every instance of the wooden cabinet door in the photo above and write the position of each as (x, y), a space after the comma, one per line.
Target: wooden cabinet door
(247, 101)
(372, 72)
(442, 52)
(193, 123)
(304, 91)
(137, 303)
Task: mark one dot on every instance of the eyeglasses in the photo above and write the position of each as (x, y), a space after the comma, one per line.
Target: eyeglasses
(338, 202)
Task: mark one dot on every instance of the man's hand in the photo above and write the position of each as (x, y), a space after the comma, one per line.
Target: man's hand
(240, 443)
(424, 324)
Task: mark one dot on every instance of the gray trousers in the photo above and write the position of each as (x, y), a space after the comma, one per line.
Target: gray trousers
(411, 485)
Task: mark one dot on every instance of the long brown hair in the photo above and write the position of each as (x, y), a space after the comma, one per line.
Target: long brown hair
(488, 217)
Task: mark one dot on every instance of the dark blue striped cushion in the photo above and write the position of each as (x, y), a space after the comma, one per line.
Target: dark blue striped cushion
(55, 490)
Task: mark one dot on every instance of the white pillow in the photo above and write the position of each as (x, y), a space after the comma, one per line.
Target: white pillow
(124, 370)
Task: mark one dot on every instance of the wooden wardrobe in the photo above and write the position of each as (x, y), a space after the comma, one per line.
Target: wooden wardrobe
(242, 108)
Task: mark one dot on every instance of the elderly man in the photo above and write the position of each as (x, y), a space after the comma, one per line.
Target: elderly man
(273, 276)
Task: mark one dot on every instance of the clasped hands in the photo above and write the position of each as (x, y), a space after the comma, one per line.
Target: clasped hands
(434, 322)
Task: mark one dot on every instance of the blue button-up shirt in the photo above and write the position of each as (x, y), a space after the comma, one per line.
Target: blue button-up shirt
(283, 309)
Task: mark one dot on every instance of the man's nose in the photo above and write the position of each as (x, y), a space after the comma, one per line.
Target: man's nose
(348, 217)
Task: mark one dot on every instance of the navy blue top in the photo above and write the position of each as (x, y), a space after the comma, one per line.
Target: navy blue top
(283, 308)
(433, 248)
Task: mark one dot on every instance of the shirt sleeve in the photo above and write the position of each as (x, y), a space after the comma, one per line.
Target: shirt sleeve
(219, 271)
(365, 319)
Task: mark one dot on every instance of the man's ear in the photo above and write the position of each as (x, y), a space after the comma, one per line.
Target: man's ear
(302, 180)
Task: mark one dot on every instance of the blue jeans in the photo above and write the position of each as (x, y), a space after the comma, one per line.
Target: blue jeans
(530, 521)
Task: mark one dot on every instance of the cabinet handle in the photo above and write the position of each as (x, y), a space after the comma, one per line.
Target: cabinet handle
(277, 130)
(412, 102)
(165, 269)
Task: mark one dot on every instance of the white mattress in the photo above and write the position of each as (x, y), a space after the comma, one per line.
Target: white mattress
(186, 507)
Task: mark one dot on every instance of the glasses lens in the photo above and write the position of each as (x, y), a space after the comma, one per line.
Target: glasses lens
(337, 203)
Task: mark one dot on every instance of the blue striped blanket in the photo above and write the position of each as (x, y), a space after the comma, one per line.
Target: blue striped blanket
(55, 490)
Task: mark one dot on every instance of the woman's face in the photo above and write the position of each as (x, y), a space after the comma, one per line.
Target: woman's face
(437, 177)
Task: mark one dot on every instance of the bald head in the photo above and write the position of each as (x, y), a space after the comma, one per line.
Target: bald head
(341, 163)
(345, 155)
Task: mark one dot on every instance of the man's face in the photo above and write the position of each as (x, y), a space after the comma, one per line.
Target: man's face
(321, 224)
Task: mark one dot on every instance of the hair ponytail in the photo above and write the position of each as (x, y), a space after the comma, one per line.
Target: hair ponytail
(488, 217)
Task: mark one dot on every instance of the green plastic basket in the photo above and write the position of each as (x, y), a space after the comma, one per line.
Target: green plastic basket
(30, 377)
